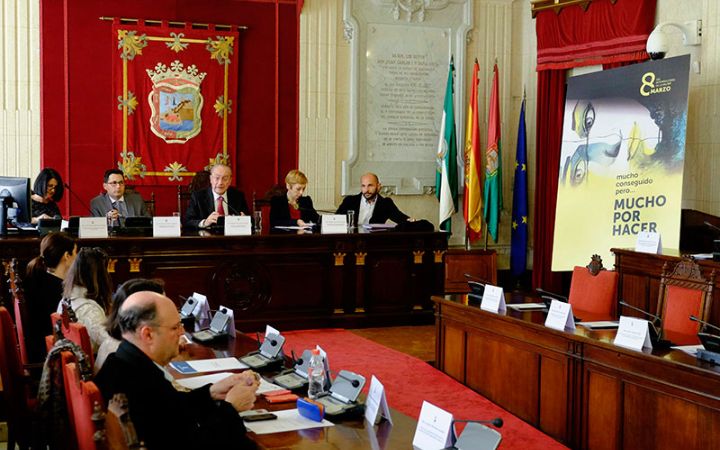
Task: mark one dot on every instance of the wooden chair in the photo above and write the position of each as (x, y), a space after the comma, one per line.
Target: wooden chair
(594, 289)
(18, 297)
(200, 181)
(15, 385)
(84, 408)
(71, 329)
(684, 292)
(149, 204)
(263, 204)
(119, 430)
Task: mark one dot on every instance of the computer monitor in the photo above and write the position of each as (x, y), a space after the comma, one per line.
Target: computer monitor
(19, 189)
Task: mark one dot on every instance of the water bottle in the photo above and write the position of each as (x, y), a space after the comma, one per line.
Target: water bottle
(316, 375)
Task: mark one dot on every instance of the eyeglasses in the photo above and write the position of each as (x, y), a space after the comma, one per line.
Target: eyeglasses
(115, 183)
(174, 328)
(52, 187)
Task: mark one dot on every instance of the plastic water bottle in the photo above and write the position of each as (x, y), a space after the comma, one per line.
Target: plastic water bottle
(316, 375)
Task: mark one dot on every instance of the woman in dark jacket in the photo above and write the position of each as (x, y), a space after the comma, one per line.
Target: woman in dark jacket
(292, 209)
(48, 189)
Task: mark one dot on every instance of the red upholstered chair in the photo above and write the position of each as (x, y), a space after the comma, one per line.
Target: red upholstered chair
(684, 292)
(85, 408)
(15, 286)
(73, 331)
(15, 382)
(594, 289)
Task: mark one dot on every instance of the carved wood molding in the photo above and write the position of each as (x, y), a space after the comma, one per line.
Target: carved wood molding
(556, 5)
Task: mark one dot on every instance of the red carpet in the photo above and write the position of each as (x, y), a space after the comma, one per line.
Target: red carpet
(408, 381)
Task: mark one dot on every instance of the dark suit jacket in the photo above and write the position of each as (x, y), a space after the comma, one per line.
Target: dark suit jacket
(163, 417)
(43, 292)
(280, 211)
(102, 204)
(384, 209)
(202, 205)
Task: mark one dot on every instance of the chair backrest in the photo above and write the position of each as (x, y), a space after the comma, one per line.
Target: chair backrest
(594, 289)
(18, 297)
(119, 430)
(73, 331)
(684, 291)
(84, 408)
(14, 380)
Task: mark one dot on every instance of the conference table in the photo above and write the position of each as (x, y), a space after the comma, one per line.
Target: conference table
(349, 432)
(291, 281)
(576, 385)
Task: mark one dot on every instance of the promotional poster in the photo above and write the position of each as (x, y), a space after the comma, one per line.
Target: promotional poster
(621, 162)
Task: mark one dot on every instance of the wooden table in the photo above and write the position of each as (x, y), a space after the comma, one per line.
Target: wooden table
(577, 386)
(348, 433)
(291, 281)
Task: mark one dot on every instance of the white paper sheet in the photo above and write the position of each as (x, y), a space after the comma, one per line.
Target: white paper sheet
(287, 420)
(600, 324)
(208, 365)
(527, 306)
(202, 380)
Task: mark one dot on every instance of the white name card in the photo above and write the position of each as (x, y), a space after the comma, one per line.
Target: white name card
(560, 316)
(376, 402)
(201, 311)
(166, 226)
(493, 299)
(93, 227)
(333, 224)
(633, 333)
(271, 330)
(433, 430)
(238, 226)
(648, 242)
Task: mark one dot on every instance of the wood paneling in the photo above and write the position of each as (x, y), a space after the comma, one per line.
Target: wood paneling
(454, 353)
(603, 412)
(481, 264)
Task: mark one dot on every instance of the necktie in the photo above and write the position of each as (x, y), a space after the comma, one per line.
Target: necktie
(122, 208)
(220, 207)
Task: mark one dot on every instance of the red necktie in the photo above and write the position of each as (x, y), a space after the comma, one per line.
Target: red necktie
(220, 208)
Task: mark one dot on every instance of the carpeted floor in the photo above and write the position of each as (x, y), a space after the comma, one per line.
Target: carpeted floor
(408, 381)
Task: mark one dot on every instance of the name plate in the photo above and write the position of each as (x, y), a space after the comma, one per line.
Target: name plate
(166, 226)
(648, 242)
(633, 333)
(93, 227)
(333, 224)
(433, 430)
(238, 226)
(493, 299)
(376, 403)
(560, 316)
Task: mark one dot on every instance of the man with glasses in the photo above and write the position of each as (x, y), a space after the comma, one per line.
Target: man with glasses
(164, 417)
(115, 203)
(218, 200)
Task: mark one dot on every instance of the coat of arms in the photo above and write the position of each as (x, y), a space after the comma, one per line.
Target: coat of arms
(176, 102)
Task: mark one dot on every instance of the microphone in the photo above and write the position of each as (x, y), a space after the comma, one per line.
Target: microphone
(232, 210)
(704, 324)
(711, 226)
(77, 197)
(547, 295)
(474, 278)
(355, 383)
(647, 314)
(496, 422)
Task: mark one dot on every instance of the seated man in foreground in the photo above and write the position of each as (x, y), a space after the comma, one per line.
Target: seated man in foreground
(115, 203)
(164, 417)
(369, 205)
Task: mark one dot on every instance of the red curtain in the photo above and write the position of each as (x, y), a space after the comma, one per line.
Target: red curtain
(605, 33)
(608, 34)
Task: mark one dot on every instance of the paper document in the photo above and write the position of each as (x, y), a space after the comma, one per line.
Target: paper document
(266, 386)
(287, 420)
(202, 380)
(600, 325)
(527, 306)
(689, 349)
(307, 226)
(208, 365)
(379, 226)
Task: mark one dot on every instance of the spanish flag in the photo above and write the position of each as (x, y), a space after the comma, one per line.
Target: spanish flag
(472, 206)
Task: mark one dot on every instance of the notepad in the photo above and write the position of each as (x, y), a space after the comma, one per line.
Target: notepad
(207, 365)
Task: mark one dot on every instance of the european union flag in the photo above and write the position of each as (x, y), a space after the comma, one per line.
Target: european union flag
(519, 232)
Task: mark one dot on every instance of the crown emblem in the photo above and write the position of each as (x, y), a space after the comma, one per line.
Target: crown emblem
(177, 71)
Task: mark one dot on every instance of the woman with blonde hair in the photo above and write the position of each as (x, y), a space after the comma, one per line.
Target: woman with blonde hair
(292, 209)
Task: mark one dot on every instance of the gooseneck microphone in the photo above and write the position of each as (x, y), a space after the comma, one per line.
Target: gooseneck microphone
(551, 295)
(654, 317)
(77, 197)
(704, 324)
(496, 422)
(233, 210)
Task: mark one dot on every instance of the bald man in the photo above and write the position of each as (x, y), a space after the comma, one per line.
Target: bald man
(164, 417)
(369, 205)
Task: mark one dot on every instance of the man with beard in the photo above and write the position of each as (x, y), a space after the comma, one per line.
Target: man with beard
(369, 205)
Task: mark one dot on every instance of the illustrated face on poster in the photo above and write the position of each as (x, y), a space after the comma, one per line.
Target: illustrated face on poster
(621, 160)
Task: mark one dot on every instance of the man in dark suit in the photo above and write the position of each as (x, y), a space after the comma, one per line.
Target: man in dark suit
(369, 205)
(218, 200)
(115, 203)
(164, 417)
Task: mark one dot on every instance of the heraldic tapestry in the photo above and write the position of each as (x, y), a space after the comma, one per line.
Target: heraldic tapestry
(176, 91)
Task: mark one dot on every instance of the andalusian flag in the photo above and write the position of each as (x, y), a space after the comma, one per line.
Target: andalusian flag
(493, 164)
(473, 197)
(446, 181)
(519, 232)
